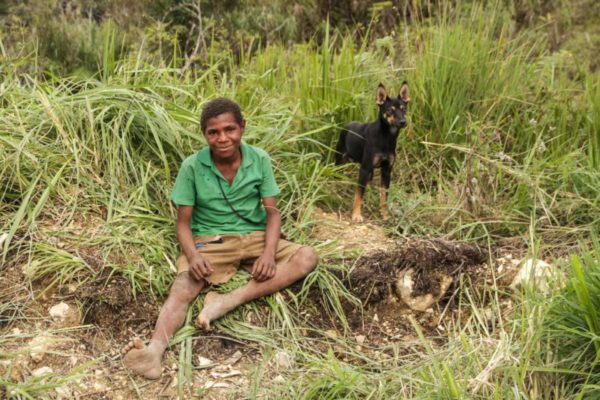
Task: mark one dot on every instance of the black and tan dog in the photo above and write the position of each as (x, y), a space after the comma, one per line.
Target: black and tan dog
(373, 145)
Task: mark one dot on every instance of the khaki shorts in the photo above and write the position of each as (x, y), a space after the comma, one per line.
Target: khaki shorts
(228, 252)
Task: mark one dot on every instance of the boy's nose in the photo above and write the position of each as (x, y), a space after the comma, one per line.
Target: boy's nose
(222, 136)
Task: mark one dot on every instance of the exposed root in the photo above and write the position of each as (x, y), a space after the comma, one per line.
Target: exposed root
(404, 290)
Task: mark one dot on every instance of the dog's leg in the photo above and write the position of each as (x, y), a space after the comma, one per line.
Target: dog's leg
(356, 214)
(363, 178)
(386, 175)
(340, 148)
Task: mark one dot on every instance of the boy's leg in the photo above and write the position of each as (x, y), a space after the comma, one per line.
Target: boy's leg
(217, 305)
(145, 360)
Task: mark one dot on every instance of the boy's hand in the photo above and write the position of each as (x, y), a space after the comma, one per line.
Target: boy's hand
(200, 267)
(263, 268)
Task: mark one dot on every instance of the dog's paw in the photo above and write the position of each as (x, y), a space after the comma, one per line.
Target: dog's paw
(357, 218)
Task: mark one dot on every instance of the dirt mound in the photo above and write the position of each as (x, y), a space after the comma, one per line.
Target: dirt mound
(374, 277)
(394, 277)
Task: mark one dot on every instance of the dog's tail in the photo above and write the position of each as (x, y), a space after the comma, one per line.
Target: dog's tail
(340, 149)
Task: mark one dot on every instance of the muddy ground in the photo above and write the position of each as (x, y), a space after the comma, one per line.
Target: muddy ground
(105, 315)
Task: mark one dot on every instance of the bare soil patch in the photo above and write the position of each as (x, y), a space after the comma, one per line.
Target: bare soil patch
(110, 305)
(382, 262)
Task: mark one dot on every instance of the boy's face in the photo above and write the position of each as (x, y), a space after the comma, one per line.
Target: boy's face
(224, 135)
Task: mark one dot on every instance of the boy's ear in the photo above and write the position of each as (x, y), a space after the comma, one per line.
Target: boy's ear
(404, 93)
(381, 95)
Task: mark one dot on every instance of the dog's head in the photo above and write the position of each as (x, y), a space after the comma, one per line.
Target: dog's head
(393, 109)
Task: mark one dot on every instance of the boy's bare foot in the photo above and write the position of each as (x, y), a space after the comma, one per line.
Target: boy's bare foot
(215, 305)
(142, 360)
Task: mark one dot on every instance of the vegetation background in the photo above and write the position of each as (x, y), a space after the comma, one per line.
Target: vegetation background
(99, 104)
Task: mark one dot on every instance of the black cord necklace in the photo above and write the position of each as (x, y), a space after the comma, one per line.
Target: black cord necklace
(230, 206)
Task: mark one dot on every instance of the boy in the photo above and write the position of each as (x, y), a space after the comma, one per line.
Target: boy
(227, 217)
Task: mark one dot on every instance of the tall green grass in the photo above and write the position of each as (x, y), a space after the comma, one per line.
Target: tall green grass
(572, 327)
(499, 133)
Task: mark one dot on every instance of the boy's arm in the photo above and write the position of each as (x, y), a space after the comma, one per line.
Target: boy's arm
(199, 265)
(264, 267)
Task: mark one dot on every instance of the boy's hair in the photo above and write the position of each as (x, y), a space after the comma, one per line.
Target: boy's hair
(218, 106)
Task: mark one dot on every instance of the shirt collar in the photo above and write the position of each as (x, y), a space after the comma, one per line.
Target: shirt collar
(204, 156)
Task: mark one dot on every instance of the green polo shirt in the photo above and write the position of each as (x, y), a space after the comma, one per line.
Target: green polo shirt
(196, 185)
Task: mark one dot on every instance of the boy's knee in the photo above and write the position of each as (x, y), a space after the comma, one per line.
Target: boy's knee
(308, 257)
(185, 289)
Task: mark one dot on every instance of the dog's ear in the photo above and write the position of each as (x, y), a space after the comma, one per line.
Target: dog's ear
(381, 94)
(404, 94)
